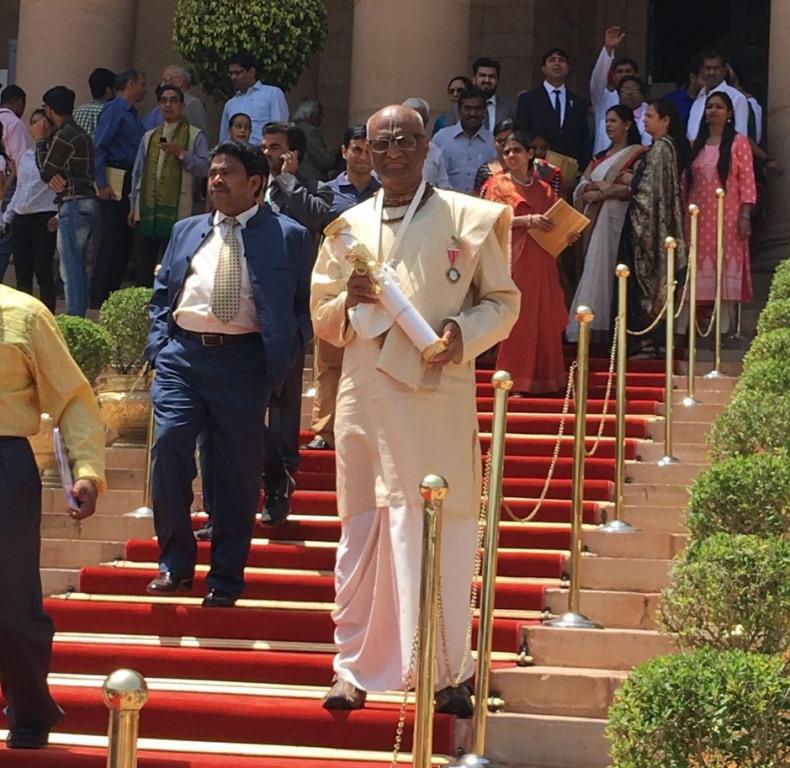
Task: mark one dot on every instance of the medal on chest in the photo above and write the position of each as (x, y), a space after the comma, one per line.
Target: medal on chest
(453, 252)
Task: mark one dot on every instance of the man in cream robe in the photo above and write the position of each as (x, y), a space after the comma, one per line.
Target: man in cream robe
(399, 418)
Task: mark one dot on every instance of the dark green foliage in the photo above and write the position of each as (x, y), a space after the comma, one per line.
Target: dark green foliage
(88, 342)
(125, 316)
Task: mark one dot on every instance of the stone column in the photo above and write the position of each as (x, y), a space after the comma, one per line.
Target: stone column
(404, 48)
(60, 43)
(776, 236)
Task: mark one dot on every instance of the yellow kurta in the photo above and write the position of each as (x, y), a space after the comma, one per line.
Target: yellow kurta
(399, 419)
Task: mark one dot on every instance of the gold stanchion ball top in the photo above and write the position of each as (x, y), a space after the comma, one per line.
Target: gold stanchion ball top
(694, 209)
(622, 270)
(502, 380)
(670, 242)
(433, 488)
(720, 192)
(584, 314)
(125, 690)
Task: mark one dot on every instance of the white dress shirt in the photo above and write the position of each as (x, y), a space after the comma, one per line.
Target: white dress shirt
(602, 98)
(16, 136)
(491, 110)
(563, 97)
(31, 194)
(434, 171)
(739, 105)
(263, 103)
(193, 312)
(758, 118)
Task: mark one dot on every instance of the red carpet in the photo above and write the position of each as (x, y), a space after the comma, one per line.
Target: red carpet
(297, 561)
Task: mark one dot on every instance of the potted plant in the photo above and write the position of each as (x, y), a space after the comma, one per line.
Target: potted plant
(90, 344)
(124, 395)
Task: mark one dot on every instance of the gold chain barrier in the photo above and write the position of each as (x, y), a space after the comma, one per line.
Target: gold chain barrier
(616, 524)
(669, 360)
(574, 619)
(716, 373)
(125, 693)
(690, 400)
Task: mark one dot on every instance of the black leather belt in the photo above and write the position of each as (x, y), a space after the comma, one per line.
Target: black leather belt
(216, 339)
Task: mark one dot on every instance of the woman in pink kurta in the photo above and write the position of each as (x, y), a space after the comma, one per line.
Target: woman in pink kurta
(721, 157)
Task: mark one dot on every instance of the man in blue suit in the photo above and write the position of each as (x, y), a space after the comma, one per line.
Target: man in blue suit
(230, 312)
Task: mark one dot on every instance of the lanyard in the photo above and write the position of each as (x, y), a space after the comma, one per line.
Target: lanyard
(412, 209)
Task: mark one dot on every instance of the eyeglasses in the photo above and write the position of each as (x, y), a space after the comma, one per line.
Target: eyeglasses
(380, 146)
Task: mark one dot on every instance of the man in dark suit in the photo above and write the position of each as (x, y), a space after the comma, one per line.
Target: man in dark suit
(228, 314)
(555, 111)
(486, 73)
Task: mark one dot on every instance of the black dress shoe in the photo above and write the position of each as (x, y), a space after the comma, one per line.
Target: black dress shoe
(27, 738)
(217, 598)
(167, 583)
(455, 701)
(344, 696)
(205, 532)
(278, 500)
(318, 443)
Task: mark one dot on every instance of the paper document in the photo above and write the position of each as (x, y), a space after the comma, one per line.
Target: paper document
(566, 220)
(115, 179)
(64, 469)
(568, 165)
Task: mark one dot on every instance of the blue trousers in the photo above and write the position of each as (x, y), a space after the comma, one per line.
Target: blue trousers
(25, 630)
(224, 391)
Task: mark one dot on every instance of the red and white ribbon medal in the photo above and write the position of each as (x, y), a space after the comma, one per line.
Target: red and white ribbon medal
(453, 252)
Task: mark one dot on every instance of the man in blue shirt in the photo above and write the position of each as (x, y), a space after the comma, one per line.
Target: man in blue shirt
(118, 135)
(263, 103)
(356, 184)
(683, 98)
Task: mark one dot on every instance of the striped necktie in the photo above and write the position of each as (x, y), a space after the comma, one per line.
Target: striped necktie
(227, 279)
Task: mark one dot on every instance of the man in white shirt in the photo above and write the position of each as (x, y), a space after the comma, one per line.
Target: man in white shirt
(632, 95)
(485, 77)
(16, 137)
(263, 103)
(227, 310)
(605, 80)
(434, 170)
(714, 71)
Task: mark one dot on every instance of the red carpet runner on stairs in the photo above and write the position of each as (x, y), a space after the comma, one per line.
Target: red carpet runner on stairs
(253, 675)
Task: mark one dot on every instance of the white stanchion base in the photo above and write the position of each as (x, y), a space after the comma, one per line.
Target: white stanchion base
(617, 526)
(714, 374)
(666, 461)
(571, 620)
(689, 402)
(472, 761)
(141, 513)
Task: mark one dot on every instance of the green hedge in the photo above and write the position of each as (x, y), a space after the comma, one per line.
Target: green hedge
(730, 592)
(780, 285)
(89, 344)
(706, 708)
(773, 345)
(125, 316)
(775, 315)
(744, 494)
(766, 376)
(751, 423)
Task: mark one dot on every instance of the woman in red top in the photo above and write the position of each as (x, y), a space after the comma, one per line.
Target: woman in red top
(533, 353)
(721, 157)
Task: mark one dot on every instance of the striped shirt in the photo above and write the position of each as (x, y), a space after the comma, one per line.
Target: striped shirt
(87, 115)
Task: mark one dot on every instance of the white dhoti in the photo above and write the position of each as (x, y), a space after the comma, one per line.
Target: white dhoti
(377, 579)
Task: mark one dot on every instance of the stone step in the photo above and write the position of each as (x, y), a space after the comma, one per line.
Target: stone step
(724, 383)
(614, 609)
(55, 581)
(700, 412)
(610, 648)
(686, 432)
(97, 528)
(125, 479)
(75, 553)
(565, 691)
(515, 739)
(655, 493)
(113, 502)
(654, 518)
(650, 451)
(622, 573)
(682, 473)
(706, 397)
(640, 544)
(125, 458)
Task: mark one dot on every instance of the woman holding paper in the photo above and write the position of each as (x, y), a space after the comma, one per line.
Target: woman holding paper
(533, 352)
(602, 195)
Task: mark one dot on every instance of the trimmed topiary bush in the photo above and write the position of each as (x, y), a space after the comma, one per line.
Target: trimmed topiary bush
(780, 285)
(775, 315)
(88, 342)
(766, 376)
(773, 345)
(744, 494)
(730, 592)
(722, 709)
(125, 316)
(751, 423)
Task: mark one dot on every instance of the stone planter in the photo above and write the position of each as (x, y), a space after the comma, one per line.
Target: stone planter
(44, 451)
(125, 403)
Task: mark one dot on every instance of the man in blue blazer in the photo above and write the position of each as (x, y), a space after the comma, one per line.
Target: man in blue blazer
(230, 312)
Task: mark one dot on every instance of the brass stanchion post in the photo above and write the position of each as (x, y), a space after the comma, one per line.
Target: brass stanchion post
(669, 366)
(503, 383)
(147, 510)
(125, 693)
(616, 524)
(716, 372)
(433, 490)
(574, 619)
(690, 400)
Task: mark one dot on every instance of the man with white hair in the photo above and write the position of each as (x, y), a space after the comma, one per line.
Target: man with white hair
(194, 111)
(434, 171)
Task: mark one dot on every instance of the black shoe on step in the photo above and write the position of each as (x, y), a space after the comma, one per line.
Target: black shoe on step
(278, 500)
(217, 598)
(205, 532)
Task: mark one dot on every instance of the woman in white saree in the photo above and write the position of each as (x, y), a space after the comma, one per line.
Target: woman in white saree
(602, 195)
